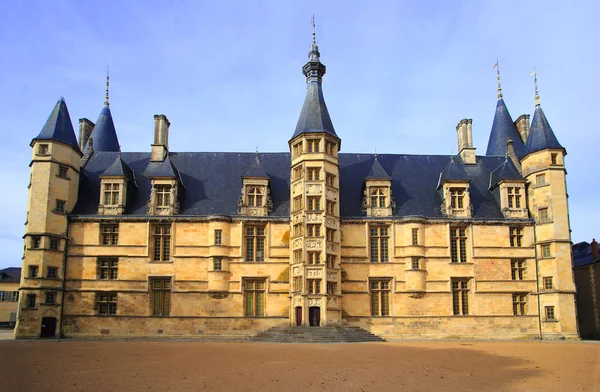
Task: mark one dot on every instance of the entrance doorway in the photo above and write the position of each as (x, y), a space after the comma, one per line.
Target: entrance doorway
(298, 316)
(314, 316)
(48, 327)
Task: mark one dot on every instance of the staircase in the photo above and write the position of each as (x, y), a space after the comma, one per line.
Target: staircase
(316, 335)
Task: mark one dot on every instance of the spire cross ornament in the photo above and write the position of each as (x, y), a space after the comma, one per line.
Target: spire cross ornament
(498, 77)
(314, 38)
(537, 96)
(107, 83)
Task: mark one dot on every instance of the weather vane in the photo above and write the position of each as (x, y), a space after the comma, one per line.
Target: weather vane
(497, 67)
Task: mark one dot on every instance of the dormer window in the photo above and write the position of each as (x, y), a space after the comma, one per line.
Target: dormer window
(514, 197)
(114, 184)
(163, 195)
(111, 194)
(512, 201)
(255, 197)
(377, 198)
(457, 198)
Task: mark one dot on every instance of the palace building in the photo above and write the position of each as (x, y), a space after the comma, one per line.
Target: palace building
(195, 244)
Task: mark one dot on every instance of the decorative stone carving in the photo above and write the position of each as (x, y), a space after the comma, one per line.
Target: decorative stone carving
(296, 271)
(314, 273)
(297, 188)
(313, 244)
(298, 300)
(218, 295)
(314, 302)
(314, 188)
(331, 194)
(331, 275)
(416, 295)
(297, 243)
(314, 218)
(332, 247)
(254, 211)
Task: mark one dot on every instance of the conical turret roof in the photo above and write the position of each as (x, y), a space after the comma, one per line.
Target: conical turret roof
(541, 136)
(58, 127)
(503, 128)
(104, 133)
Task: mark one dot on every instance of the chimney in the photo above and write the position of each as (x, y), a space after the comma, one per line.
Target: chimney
(464, 132)
(594, 245)
(160, 147)
(522, 124)
(85, 130)
(510, 152)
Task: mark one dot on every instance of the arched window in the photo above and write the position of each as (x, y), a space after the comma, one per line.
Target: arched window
(255, 197)
(377, 198)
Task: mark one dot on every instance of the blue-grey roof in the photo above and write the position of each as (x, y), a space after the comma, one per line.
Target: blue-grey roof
(506, 171)
(213, 182)
(378, 172)
(104, 134)
(164, 168)
(541, 135)
(454, 171)
(503, 128)
(119, 169)
(11, 274)
(256, 170)
(582, 254)
(314, 117)
(58, 127)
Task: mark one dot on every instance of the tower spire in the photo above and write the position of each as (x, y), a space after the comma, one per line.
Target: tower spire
(106, 103)
(314, 55)
(537, 96)
(498, 77)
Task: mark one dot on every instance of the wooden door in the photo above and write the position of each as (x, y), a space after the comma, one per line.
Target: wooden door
(48, 327)
(298, 316)
(314, 315)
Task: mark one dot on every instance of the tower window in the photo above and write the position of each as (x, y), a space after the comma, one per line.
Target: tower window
(330, 179)
(60, 206)
(548, 283)
(330, 233)
(314, 203)
(297, 149)
(554, 159)
(458, 244)
(54, 243)
(43, 149)
(330, 148)
(314, 286)
(314, 257)
(33, 271)
(330, 207)
(313, 230)
(415, 263)
(546, 251)
(330, 261)
(543, 215)
(218, 237)
(62, 171)
(36, 242)
(415, 236)
(313, 145)
(379, 244)
(297, 172)
(218, 264)
(313, 173)
(30, 300)
(540, 180)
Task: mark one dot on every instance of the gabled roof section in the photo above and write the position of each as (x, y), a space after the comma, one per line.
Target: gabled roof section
(377, 172)
(58, 127)
(506, 171)
(455, 171)
(541, 136)
(104, 133)
(256, 170)
(119, 169)
(503, 128)
(164, 168)
(314, 117)
(11, 274)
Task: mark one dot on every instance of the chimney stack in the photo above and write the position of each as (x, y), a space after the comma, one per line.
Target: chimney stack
(522, 124)
(160, 147)
(510, 152)
(594, 245)
(464, 132)
(85, 130)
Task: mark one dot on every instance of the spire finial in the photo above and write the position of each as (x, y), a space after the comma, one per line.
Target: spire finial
(314, 38)
(107, 83)
(537, 96)
(497, 67)
(313, 55)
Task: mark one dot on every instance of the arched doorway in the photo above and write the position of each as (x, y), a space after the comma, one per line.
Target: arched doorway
(314, 316)
(48, 327)
(298, 316)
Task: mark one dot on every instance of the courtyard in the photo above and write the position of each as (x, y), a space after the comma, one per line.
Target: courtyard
(167, 365)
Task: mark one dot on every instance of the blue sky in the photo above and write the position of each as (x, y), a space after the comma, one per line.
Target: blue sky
(400, 75)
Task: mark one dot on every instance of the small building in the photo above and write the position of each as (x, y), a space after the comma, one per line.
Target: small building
(9, 295)
(586, 270)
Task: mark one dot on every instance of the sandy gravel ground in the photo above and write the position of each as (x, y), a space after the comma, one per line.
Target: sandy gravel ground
(72, 365)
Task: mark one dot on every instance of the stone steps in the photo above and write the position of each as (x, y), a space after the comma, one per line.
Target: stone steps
(333, 334)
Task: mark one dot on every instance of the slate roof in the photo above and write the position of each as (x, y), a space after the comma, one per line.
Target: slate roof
(506, 171)
(213, 181)
(582, 254)
(314, 117)
(11, 274)
(378, 172)
(504, 128)
(119, 169)
(104, 133)
(58, 127)
(541, 135)
(256, 170)
(454, 171)
(164, 168)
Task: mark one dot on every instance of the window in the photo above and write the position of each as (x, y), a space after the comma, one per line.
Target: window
(254, 297)
(50, 297)
(519, 304)
(62, 171)
(514, 197)
(108, 269)
(60, 206)
(54, 243)
(255, 197)
(297, 149)
(161, 297)
(297, 283)
(36, 242)
(163, 195)
(457, 198)
(380, 297)
(550, 313)
(540, 180)
(458, 244)
(255, 243)
(415, 236)
(218, 264)
(379, 244)
(517, 269)
(106, 304)
(298, 230)
(314, 286)
(415, 263)
(218, 237)
(30, 300)
(516, 236)
(297, 203)
(331, 288)
(548, 283)
(33, 271)
(9, 296)
(298, 172)
(298, 256)
(313, 145)
(313, 173)
(330, 207)
(314, 203)
(52, 273)
(460, 296)
(543, 215)
(546, 251)
(330, 148)
(313, 230)
(111, 194)
(330, 179)
(330, 234)
(554, 159)
(43, 149)
(162, 243)
(377, 198)
(15, 296)
(314, 257)
(109, 234)
(331, 261)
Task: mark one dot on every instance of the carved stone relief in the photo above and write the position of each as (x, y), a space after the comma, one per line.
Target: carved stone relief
(331, 275)
(297, 243)
(314, 218)
(296, 271)
(332, 247)
(313, 244)
(314, 188)
(314, 302)
(313, 273)
(332, 223)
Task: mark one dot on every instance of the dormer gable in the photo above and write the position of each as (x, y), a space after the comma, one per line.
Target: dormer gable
(378, 199)
(255, 198)
(116, 183)
(453, 186)
(508, 187)
(166, 188)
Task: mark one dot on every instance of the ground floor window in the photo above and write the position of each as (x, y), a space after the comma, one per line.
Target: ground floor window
(380, 297)
(519, 304)
(254, 297)
(460, 296)
(106, 304)
(550, 313)
(161, 296)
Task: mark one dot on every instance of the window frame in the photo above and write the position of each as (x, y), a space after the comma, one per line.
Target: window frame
(515, 234)
(53, 275)
(548, 283)
(109, 234)
(544, 215)
(36, 241)
(378, 197)
(513, 194)
(313, 145)
(460, 288)
(457, 198)
(314, 286)
(107, 268)
(217, 264)
(415, 236)
(161, 240)
(379, 244)
(218, 237)
(255, 196)
(254, 297)
(63, 171)
(520, 304)
(540, 180)
(313, 230)
(50, 298)
(160, 289)
(380, 297)
(415, 263)
(313, 174)
(517, 269)
(61, 206)
(33, 271)
(545, 251)
(458, 244)
(43, 149)
(313, 203)
(549, 313)
(256, 251)
(106, 304)
(30, 300)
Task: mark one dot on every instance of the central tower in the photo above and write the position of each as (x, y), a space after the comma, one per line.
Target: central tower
(315, 292)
